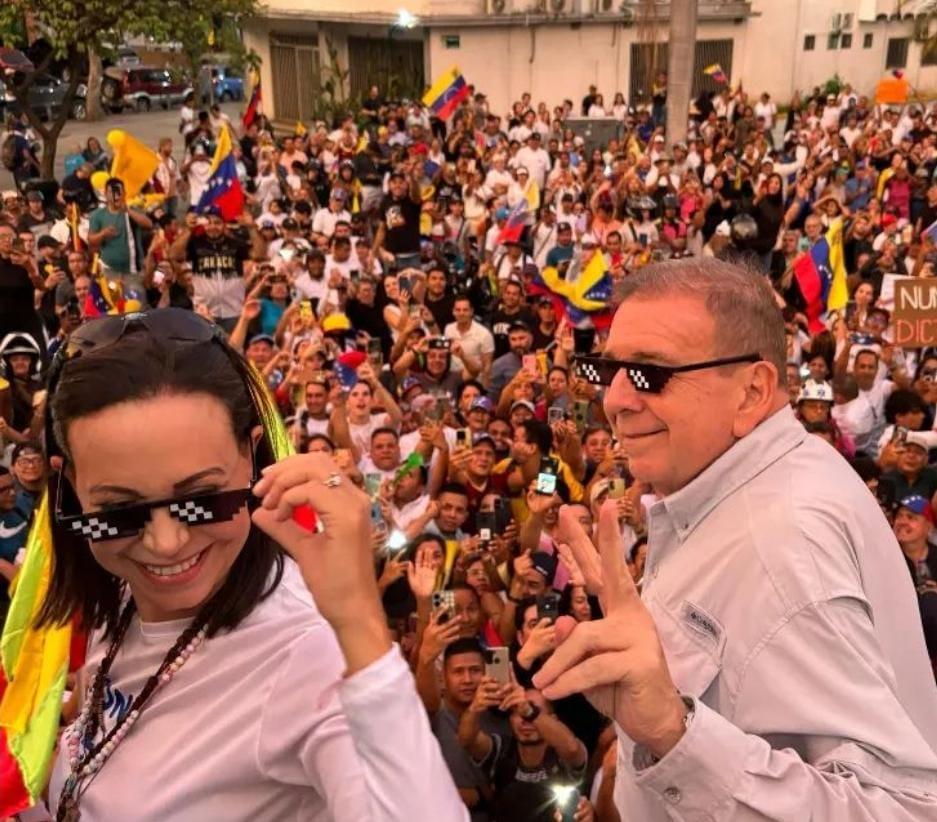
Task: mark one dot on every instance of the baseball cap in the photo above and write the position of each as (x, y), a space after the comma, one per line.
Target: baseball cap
(889, 219)
(518, 325)
(290, 224)
(920, 506)
(919, 439)
(483, 436)
(588, 240)
(482, 404)
(408, 384)
(34, 196)
(544, 564)
(523, 404)
(262, 338)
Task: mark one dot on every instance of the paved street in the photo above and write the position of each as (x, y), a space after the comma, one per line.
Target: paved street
(148, 127)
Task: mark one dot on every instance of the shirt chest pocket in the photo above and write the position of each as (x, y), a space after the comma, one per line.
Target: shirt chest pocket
(693, 643)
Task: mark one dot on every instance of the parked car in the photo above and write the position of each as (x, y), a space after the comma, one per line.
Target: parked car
(226, 84)
(46, 97)
(141, 88)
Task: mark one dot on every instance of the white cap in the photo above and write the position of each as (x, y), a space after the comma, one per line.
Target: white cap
(812, 390)
(723, 230)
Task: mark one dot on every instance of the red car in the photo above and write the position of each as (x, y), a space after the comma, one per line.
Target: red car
(141, 88)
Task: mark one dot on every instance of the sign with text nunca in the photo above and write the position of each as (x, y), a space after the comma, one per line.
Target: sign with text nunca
(915, 312)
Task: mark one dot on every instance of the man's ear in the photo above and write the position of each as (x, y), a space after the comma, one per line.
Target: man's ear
(760, 397)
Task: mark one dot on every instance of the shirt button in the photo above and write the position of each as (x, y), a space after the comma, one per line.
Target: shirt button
(673, 795)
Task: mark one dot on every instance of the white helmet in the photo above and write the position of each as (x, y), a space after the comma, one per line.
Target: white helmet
(812, 390)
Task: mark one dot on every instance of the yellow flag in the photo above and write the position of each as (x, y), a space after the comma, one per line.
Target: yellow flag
(532, 195)
(299, 130)
(839, 292)
(134, 162)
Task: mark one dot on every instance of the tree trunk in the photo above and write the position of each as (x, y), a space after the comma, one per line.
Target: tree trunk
(681, 51)
(94, 110)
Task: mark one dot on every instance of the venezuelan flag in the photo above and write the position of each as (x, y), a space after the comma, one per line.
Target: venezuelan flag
(814, 277)
(588, 295)
(224, 190)
(715, 71)
(33, 667)
(446, 94)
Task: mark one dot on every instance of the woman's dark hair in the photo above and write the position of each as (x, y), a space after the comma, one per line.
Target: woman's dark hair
(902, 401)
(141, 367)
(566, 603)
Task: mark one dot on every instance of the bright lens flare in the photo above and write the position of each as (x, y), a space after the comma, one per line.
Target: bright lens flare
(405, 19)
(563, 793)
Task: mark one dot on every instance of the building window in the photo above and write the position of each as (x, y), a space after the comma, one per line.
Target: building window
(832, 41)
(867, 40)
(929, 53)
(897, 54)
(810, 42)
(845, 41)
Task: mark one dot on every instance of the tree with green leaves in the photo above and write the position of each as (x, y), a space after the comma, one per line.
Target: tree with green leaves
(83, 29)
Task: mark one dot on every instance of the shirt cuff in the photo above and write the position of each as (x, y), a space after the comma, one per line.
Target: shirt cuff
(370, 686)
(700, 774)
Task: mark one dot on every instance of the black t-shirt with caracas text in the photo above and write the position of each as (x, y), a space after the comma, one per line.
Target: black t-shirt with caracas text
(401, 225)
(223, 257)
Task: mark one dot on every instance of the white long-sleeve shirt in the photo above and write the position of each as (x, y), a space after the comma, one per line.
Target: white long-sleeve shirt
(260, 724)
(787, 613)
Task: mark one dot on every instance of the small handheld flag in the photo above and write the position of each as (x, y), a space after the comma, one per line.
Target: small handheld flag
(224, 190)
(446, 93)
(718, 75)
(253, 107)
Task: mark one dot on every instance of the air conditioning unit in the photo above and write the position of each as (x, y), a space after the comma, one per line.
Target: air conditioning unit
(921, 29)
(836, 23)
(848, 18)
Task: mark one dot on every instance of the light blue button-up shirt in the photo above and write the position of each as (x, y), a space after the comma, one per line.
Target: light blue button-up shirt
(785, 609)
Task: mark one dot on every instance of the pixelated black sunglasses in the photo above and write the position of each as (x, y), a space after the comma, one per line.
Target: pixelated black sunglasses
(647, 378)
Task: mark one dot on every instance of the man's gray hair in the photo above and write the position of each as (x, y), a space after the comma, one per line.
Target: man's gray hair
(740, 301)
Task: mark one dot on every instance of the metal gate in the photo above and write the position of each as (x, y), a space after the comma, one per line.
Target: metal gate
(296, 78)
(648, 59)
(394, 66)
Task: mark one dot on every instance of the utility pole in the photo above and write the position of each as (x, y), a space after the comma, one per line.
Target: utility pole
(681, 51)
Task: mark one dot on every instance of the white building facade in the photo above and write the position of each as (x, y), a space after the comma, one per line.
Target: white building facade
(555, 49)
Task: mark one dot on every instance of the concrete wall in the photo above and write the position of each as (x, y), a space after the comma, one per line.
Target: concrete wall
(552, 62)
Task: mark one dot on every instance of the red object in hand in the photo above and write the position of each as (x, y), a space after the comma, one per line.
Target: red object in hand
(305, 517)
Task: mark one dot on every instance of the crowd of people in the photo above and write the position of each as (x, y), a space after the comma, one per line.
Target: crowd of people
(375, 281)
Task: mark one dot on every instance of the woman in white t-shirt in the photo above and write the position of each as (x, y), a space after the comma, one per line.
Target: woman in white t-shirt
(359, 417)
(227, 679)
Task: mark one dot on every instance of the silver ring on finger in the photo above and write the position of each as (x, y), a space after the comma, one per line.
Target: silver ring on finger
(333, 480)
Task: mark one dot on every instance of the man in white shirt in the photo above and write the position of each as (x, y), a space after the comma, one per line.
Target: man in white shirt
(476, 340)
(766, 108)
(325, 218)
(535, 159)
(773, 665)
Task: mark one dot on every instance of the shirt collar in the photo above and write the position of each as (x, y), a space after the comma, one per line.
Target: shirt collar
(772, 439)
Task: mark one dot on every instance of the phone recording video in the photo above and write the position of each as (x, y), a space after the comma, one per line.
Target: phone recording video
(498, 665)
(546, 479)
(548, 606)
